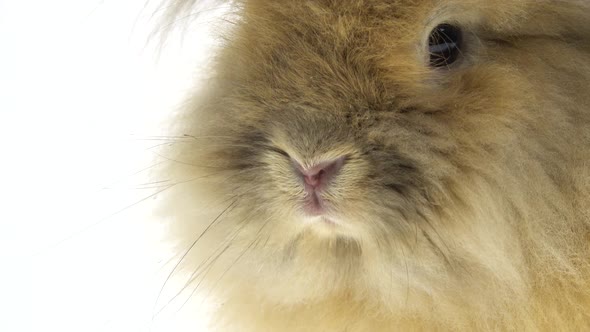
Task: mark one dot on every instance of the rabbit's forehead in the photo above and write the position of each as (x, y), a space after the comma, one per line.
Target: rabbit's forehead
(396, 28)
(340, 16)
(402, 17)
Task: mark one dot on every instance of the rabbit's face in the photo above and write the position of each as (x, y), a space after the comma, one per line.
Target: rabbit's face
(356, 156)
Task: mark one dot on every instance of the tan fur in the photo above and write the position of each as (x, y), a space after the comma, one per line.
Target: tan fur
(465, 199)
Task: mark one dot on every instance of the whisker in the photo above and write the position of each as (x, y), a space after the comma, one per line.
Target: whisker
(437, 247)
(224, 144)
(208, 263)
(154, 185)
(168, 143)
(145, 185)
(130, 175)
(407, 275)
(163, 138)
(187, 251)
(193, 276)
(172, 258)
(209, 136)
(229, 240)
(183, 162)
(423, 217)
(256, 240)
(101, 220)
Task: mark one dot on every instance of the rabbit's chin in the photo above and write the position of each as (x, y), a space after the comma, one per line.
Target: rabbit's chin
(311, 259)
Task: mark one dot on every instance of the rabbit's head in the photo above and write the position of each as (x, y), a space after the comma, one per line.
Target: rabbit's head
(402, 151)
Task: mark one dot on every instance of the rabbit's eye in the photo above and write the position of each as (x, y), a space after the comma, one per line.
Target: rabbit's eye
(444, 45)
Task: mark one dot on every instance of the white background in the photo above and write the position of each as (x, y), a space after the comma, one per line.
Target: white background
(82, 92)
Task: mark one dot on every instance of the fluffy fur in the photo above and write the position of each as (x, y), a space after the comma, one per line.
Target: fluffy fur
(464, 202)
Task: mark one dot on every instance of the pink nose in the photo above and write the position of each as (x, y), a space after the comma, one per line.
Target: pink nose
(318, 175)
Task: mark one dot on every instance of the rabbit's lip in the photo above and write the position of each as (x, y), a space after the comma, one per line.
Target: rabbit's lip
(323, 219)
(314, 205)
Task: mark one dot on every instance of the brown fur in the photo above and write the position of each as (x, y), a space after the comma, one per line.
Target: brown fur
(465, 200)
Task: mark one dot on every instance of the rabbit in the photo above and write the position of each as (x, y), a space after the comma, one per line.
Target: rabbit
(389, 165)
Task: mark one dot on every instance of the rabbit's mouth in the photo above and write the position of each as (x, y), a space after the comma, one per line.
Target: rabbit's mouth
(314, 204)
(315, 209)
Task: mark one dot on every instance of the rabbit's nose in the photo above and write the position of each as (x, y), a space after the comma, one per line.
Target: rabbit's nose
(318, 175)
